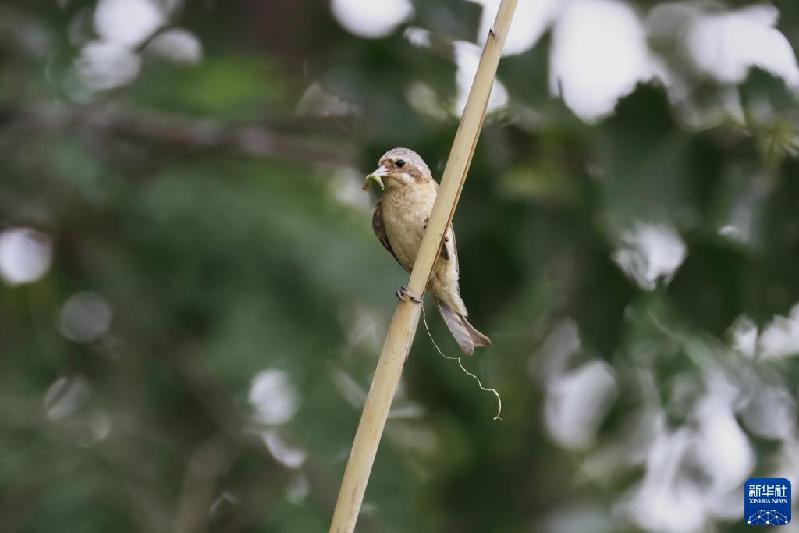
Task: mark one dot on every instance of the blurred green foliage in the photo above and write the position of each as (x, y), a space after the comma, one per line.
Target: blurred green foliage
(227, 235)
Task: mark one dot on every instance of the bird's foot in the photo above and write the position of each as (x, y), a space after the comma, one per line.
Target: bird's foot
(404, 294)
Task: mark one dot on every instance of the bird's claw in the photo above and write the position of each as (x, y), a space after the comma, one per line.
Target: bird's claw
(404, 294)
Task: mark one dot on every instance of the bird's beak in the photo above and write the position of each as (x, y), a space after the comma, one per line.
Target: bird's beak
(376, 176)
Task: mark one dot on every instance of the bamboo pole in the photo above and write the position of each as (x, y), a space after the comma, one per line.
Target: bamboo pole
(406, 317)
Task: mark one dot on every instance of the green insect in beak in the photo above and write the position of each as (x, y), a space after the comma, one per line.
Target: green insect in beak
(377, 177)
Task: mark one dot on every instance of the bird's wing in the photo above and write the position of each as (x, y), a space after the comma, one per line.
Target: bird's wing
(380, 230)
(449, 250)
(444, 283)
(444, 252)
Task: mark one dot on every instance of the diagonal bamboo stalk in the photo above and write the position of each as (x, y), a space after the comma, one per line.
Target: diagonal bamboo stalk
(406, 317)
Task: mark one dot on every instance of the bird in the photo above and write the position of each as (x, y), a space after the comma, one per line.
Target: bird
(399, 221)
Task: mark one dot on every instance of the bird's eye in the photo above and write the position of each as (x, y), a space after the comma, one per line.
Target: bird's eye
(400, 163)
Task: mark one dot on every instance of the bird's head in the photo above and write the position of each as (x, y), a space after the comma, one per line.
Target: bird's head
(399, 167)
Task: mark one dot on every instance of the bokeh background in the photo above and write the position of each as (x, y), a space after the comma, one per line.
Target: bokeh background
(192, 302)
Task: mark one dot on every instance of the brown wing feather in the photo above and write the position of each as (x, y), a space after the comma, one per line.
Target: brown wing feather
(380, 229)
(445, 250)
(448, 248)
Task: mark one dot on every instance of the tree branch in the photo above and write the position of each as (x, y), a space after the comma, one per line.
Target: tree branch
(171, 130)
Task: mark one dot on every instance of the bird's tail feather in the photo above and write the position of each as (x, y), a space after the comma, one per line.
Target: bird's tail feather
(465, 334)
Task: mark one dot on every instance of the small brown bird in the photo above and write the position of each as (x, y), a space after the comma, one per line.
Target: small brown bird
(399, 221)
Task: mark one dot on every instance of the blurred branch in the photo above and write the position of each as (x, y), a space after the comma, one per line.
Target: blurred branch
(205, 464)
(177, 131)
